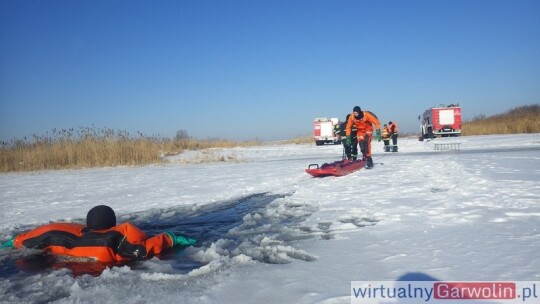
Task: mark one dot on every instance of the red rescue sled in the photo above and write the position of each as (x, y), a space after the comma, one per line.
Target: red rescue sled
(337, 168)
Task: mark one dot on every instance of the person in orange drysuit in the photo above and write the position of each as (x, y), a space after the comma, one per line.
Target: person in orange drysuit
(101, 239)
(364, 120)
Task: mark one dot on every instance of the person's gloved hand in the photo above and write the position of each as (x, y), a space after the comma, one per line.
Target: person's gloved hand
(180, 240)
(378, 134)
(8, 244)
(348, 140)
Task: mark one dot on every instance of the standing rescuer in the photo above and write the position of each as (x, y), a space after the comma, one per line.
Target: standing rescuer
(101, 239)
(386, 138)
(393, 131)
(351, 148)
(364, 121)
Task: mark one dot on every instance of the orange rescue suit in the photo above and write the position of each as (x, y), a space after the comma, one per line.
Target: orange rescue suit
(363, 125)
(123, 242)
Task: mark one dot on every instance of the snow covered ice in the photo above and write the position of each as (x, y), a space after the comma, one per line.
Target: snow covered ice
(286, 237)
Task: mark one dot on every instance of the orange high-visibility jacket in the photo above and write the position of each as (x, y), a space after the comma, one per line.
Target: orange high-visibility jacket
(364, 125)
(120, 243)
(393, 127)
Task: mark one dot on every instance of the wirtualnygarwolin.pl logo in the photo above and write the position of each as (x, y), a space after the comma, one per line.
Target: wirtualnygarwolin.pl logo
(451, 292)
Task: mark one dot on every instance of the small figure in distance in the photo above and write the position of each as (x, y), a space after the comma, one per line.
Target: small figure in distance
(393, 132)
(386, 138)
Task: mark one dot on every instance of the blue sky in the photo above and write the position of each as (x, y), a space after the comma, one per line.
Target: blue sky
(259, 69)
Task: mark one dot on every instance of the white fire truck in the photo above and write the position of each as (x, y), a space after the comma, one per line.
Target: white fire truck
(324, 131)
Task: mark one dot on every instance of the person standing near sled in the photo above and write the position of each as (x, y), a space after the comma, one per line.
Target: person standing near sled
(386, 138)
(101, 239)
(351, 149)
(364, 121)
(393, 131)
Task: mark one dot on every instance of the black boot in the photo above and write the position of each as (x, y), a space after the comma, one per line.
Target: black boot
(394, 149)
(369, 163)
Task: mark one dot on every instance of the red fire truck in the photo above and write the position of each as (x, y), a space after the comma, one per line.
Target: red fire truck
(441, 121)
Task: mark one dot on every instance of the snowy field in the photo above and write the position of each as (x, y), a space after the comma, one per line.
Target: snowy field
(270, 233)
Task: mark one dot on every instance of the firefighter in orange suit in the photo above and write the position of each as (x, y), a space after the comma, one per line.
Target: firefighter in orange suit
(101, 239)
(393, 131)
(364, 121)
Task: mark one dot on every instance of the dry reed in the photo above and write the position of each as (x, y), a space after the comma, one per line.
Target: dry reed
(91, 147)
(300, 140)
(524, 119)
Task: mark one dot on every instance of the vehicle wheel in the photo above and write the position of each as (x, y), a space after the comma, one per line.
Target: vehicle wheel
(430, 133)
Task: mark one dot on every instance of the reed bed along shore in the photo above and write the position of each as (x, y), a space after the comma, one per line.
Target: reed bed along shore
(524, 119)
(92, 147)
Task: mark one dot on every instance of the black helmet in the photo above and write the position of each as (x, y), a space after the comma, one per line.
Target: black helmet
(357, 109)
(100, 217)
